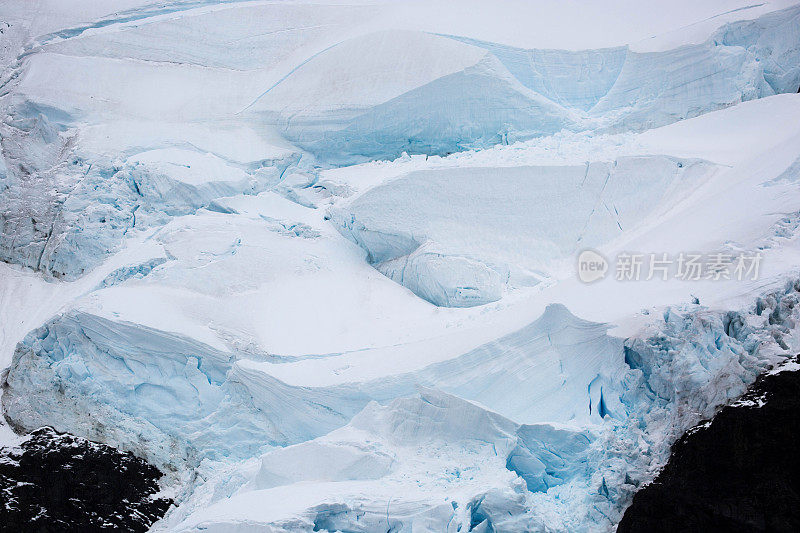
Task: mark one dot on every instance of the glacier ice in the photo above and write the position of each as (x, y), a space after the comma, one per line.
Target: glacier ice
(170, 399)
(599, 413)
(456, 237)
(465, 449)
(262, 37)
(445, 280)
(125, 273)
(776, 51)
(417, 93)
(475, 469)
(139, 381)
(204, 311)
(64, 214)
(571, 371)
(572, 79)
(401, 103)
(509, 94)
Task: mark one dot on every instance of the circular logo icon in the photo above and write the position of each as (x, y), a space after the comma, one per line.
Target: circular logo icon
(591, 266)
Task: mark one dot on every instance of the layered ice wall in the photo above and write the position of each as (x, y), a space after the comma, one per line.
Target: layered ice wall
(63, 213)
(475, 94)
(472, 469)
(376, 96)
(571, 372)
(456, 451)
(414, 92)
(167, 398)
(572, 79)
(597, 414)
(458, 237)
(178, 402)
(772, 39)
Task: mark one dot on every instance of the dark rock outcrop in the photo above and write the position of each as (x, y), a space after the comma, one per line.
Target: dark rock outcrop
(59, 482)
(739, 472)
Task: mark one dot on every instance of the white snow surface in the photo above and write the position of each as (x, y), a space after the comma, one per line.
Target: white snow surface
(317, 260)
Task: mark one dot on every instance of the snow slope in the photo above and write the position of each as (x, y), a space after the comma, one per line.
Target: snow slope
(421, 93)
(463, 251)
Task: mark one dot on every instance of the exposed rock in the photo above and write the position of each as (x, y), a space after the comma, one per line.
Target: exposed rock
(59, 482)
(738, 472)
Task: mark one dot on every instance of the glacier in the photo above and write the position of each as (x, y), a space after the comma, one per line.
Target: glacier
(87, 206)
(180, 403)
(508, 94)
(316, 262)
(143, 381)
(463, 253)
(479, 94)
(131, 386)
(563, 478)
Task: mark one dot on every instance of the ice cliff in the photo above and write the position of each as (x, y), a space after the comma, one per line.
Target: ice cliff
(65, 208)
(180, 403)
(316, 262)
(477, 470)
(171, 400)
(467, 249)
(63, 214)
(482, 93)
